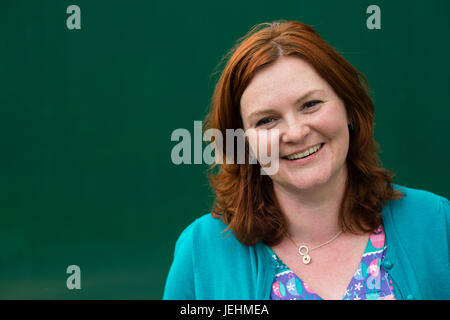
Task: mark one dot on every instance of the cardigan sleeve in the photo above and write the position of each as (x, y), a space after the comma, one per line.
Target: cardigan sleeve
(420, 226)
(444, 283)
(445, 211)
(180, 279)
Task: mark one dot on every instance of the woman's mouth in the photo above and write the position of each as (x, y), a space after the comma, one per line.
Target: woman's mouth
(305, 154)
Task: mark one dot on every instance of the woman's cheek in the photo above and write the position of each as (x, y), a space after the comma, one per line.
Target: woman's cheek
(264, 145)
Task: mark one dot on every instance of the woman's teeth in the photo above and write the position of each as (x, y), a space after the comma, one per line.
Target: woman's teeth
(304, 154)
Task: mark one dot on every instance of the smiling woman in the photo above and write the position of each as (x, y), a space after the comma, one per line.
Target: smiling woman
(329, 223)
(313, 129)
(285, 76)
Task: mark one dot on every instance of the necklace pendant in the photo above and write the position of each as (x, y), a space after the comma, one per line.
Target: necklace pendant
(303, 250)
(306, 259)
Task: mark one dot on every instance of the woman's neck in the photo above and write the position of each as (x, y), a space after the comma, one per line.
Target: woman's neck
(312, 216)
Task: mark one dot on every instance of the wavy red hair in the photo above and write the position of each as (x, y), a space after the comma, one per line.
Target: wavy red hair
(244, 198)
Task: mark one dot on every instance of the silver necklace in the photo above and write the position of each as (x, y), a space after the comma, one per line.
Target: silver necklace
(303, 250)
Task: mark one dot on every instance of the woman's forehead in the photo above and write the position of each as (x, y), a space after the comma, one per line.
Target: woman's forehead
(284, 82)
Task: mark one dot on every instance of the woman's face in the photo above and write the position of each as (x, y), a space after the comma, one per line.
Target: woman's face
(290, 96)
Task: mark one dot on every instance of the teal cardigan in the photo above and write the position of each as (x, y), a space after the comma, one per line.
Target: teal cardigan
(210, 265)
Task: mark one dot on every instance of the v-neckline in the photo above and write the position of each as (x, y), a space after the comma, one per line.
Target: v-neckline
(350, 284)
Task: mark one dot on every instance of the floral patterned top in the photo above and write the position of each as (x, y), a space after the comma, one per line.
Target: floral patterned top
(370, 281)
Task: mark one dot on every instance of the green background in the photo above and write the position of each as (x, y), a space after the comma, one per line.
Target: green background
(86, 176)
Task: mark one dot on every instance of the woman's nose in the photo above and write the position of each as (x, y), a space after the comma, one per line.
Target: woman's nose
(294, 132)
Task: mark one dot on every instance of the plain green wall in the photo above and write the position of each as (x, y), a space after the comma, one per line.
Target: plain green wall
(86, 117)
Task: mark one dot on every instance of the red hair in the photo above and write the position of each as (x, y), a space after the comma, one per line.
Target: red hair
(244, 199)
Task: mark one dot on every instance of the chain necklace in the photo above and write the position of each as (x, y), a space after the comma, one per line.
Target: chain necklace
(303, 250)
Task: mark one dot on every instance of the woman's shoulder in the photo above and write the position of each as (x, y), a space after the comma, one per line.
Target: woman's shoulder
(417, 230)
(204, 226)
(208, 223)
(418, 203)
(196, 250)
(207, 233)
(418, 214)
(418, 194)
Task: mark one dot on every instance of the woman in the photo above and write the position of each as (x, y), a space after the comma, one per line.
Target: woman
(329, 224)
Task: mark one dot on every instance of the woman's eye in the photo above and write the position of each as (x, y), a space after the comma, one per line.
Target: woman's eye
(311, 103)
(264, 121)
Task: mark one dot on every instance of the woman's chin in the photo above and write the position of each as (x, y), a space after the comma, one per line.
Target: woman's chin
(311, 179)
(301, 183)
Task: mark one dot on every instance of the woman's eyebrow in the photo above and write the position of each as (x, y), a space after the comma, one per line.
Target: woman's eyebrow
(272, 111)
(261, 113)
(308, 94)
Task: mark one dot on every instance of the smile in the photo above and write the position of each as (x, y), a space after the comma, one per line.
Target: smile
(305, 153)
